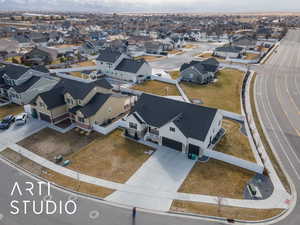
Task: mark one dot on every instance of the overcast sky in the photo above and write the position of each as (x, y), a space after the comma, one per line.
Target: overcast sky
(155, 5)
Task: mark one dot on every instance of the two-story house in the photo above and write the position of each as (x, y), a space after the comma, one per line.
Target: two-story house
(181, 126)
(22, 84)
(86, 104)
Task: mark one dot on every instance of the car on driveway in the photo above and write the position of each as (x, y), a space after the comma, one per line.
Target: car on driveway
(6, 122)
(21, 119)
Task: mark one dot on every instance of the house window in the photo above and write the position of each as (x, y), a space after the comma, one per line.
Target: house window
(69, 101)
(81, 119)
(172, 129)
(133, 125)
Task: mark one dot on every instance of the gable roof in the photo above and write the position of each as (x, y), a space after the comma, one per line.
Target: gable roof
(93, 106)
(53, 98)
(79, 89)
(194, 121)
(15, 71)
(130, 65)
(208, 65)
(26, 85)
(229, 48)
(109, 55)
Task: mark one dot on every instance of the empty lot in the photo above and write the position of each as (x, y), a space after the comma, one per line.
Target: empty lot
(49, 143)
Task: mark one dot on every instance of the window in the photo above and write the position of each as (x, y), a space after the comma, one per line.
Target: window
(41, 104)
(81, 119)
(133, 125)
(172, 129)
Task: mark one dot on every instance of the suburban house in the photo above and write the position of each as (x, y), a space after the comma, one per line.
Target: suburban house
(229, 51)
(21, 84)
(120, 66)
(244, 41)
(40, 56)
(201, 72)
(181, 126)
(84, 104)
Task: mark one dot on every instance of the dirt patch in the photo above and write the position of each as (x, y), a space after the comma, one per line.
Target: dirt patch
(224, 211)
(49, 143)
(157, 88)
(174, 74)
(251, 56)
(223, 94)
(10, 109)
(234, 142)
(110, 157)
(216, 178)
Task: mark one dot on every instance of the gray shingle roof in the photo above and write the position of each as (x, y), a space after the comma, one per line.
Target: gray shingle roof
(193, 121)
(229, 48)
(26, 85)
(15, 71)
(130, 65)
(109, 56)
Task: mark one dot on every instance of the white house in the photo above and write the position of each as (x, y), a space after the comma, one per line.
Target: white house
(181, 126)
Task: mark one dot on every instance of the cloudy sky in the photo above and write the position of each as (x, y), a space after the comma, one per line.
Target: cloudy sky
(153, 5)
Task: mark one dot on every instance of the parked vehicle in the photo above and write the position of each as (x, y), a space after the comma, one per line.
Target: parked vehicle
(7, 121)
(21, 119)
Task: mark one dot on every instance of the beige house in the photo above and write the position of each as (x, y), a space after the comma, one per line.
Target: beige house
(85, 104)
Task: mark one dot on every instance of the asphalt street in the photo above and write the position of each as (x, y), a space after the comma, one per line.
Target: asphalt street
(278, 98)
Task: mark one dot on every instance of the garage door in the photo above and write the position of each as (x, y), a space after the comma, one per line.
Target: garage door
(194, 149)
(172, 144)
(45, 117)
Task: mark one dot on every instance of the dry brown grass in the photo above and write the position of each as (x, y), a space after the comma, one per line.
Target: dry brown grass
(251, 56)
(54, 177)
(149, 58)
(157, 88)
(86, 63)
(176, 52)
(224, 94)
(174, 74)
(110, 157)
(49, 143)
(216, 178)
(76, 185)
(189, 46)
(234, 142)
(66, 46)
(10, 109)
(224, 211)
(210, 55)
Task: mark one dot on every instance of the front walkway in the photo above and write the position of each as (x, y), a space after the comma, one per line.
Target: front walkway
(165, 170)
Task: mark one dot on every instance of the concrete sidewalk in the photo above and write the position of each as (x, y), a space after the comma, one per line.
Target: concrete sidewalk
(279, 199)
(165, 170)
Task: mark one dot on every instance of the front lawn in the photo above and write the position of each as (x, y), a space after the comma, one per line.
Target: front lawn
(157, 88)
(111, 157)
(149, 58)
(251, 56)
(174, 74)
(216, 178)
(223, 94)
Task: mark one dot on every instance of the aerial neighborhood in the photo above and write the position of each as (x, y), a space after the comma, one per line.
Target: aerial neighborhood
(156, 106)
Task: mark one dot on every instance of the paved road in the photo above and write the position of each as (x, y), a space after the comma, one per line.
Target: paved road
(278, 98)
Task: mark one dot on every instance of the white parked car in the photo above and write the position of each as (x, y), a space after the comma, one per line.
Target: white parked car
(21, 119)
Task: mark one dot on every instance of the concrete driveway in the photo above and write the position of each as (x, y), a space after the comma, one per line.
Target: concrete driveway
(165, 171)
(17, 133)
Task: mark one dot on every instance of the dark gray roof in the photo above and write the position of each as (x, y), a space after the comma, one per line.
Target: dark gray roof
(40, 68)
(93, 106)
(15, 71)
(109, 55)
(80, 89)
(130, 65)
(208, 65)
(229, 48)
(26, 85)
(193, 120)
(53, 98)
